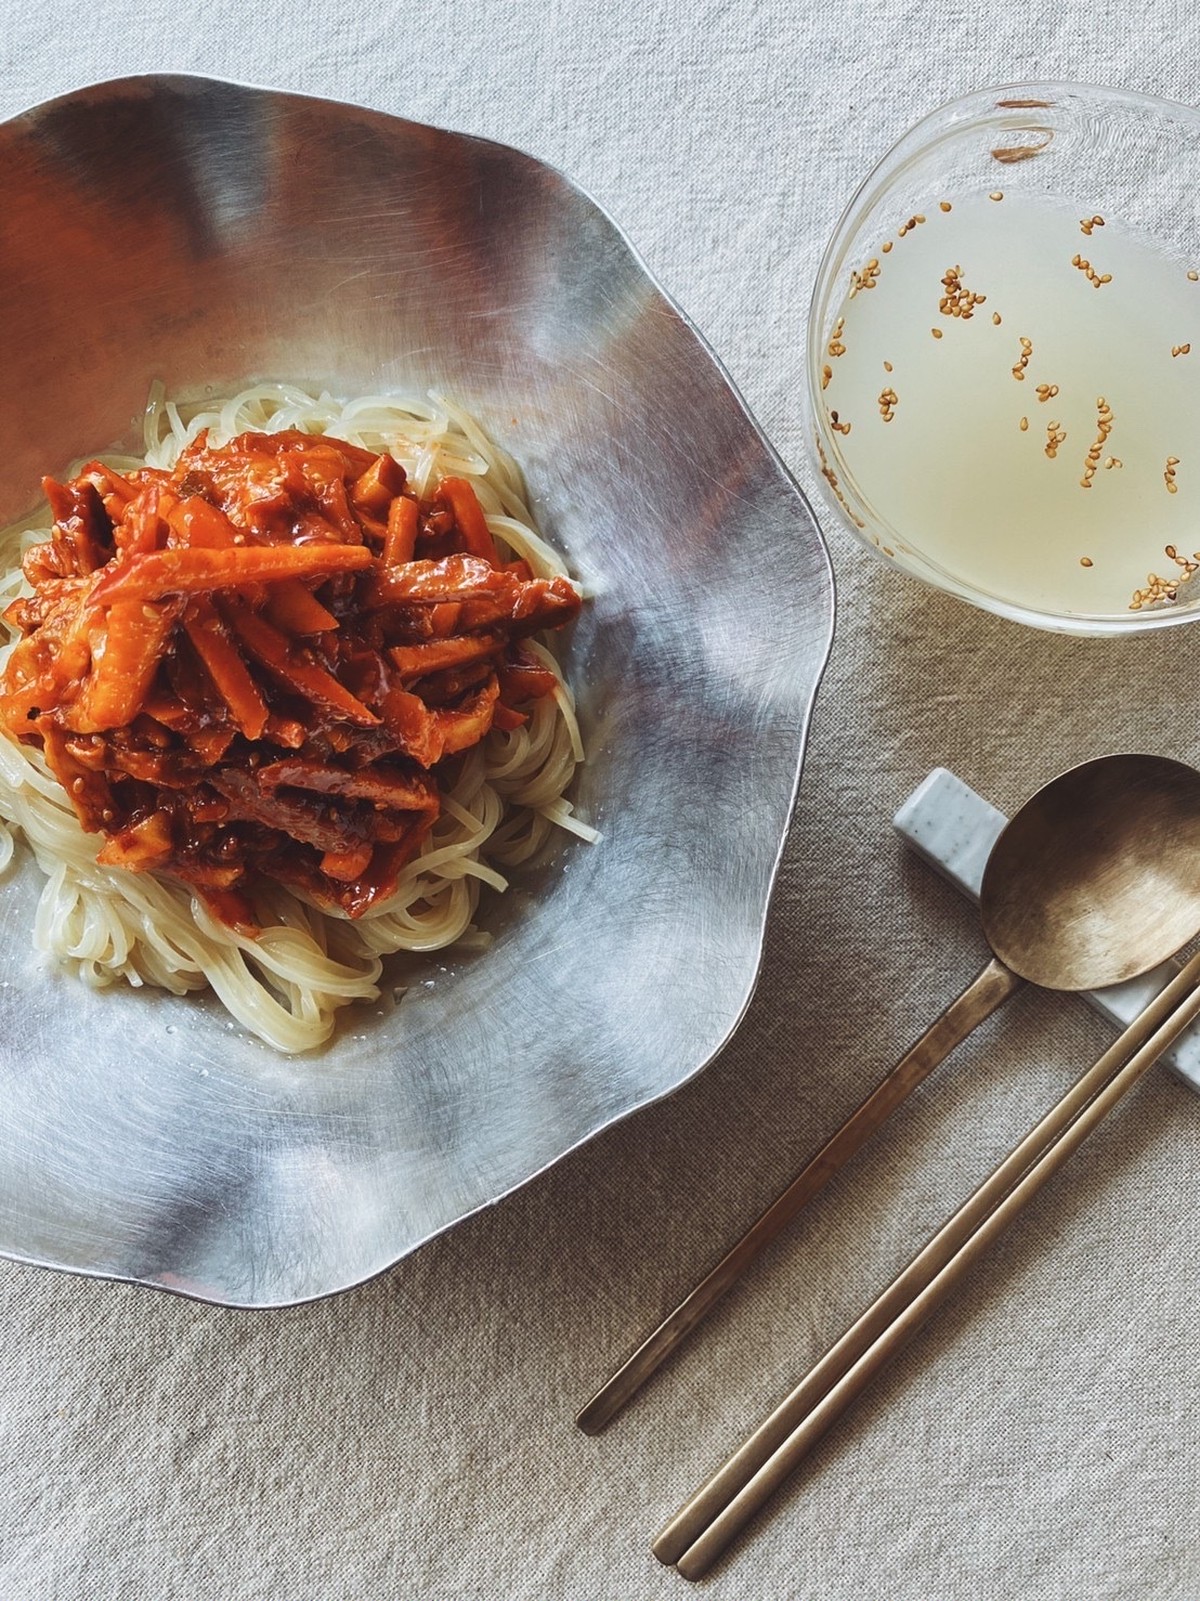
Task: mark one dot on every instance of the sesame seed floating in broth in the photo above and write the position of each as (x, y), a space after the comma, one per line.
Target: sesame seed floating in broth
(1055, 436)
(1096, 279)
(866, 279)
(958, 300)
(1104, 426)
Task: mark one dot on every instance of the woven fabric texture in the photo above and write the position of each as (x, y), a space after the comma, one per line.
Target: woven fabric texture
(414, 1438)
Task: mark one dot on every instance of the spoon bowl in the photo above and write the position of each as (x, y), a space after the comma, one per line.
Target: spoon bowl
(1097, 877)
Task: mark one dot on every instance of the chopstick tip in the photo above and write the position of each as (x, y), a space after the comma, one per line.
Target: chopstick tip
(595, 1416)
(667, 1546)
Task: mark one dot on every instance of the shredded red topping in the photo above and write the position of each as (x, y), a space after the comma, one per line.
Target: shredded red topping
(250, 667)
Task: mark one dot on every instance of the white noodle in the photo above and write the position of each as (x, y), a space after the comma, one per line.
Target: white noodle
(286, 984)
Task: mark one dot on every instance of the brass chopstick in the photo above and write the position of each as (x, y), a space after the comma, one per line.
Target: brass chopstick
(700, 1531)
(978, 1001)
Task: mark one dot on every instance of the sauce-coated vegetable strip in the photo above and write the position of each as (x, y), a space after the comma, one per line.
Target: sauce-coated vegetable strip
(523, 680)
(293, 668)
(141, 527)
(114, 490)
(467, 725)
(200, 526)
(345, 866)
(469, 519)
(193, 572)
(124, 664)
(401, 540)
(377, 488)
(296, 610)
(414, 661)
(211, 641)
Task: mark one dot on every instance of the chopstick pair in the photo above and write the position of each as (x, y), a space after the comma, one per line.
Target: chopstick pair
(710, 1519)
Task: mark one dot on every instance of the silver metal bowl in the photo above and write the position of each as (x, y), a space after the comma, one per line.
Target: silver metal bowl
(205, 234)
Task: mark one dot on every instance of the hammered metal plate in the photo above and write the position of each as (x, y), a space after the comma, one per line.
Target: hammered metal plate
(206, 234)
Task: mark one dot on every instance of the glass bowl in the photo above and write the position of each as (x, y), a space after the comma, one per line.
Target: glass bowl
(1088, 158)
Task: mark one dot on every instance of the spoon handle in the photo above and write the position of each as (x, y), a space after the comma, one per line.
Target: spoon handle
(723, 1506)
(978, 1001)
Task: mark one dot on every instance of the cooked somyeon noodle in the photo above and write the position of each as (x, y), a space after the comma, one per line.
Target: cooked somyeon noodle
(499, 802)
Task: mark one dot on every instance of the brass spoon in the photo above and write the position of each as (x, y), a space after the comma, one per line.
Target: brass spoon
(1101, 851)
(1096, 879)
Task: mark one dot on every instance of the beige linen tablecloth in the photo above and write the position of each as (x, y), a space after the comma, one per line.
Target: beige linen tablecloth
(414, 1438)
